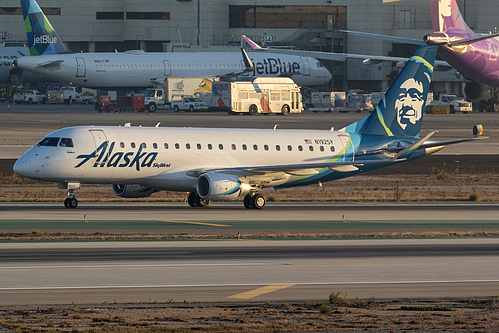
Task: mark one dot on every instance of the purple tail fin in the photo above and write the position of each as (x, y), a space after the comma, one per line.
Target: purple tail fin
(445, 15)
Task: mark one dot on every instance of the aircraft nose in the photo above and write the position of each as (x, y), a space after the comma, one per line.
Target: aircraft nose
(23, 166)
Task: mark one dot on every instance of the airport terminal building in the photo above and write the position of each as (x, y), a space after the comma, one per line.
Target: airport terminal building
(105, 26)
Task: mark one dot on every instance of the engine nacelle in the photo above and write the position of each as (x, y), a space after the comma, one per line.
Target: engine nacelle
(132, 191)
(220, 187)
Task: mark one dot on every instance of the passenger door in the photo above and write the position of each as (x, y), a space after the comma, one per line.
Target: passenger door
(81, 70)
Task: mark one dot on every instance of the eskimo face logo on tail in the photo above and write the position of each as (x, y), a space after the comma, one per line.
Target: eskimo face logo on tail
(445, 10)
(409, 105)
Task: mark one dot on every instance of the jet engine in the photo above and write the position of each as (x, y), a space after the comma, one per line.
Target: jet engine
(132, 191)
(220, 187)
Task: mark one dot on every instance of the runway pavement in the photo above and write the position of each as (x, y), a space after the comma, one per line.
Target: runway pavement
(231, 218)
(123, 272)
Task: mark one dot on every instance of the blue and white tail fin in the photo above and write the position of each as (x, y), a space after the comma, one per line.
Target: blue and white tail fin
(400, 112)
(42, 38)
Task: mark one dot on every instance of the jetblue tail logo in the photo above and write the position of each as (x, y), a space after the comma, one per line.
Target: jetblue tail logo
(400, 111)
(42, 38)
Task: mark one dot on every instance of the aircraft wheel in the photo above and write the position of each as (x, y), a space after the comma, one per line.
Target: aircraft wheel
(70, 203)
(247, 201)
(202, 202)
(258, 201)
(191, 199)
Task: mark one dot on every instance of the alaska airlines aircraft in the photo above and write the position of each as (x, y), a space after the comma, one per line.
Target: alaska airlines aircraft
(138, 69)
(225, 164)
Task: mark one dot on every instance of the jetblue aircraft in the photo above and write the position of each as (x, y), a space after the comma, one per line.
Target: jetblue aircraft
(138, 69)
(216, 164)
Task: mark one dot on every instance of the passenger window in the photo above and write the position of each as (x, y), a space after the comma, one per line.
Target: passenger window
(66, 142)
(166, 145)
(132, 145)
(300, 148)
(278, 148)
(221, 146)
(188, 145)
(255, 147)
(177, 146)
(266, 147)
(332, 148)
(122, 145)
(210, 147)
(311, 148)
(144, 145)
(155, 145)
(290, 148)
(233, 147)
(199, 146)
(321, 148)
(245, 147)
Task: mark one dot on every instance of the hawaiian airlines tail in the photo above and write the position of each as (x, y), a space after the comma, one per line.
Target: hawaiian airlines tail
(400, 112)
(42, 38)
(445, 15)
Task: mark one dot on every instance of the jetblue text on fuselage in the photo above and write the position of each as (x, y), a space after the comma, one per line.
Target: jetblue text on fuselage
(44, 39)
(105, 157)
(274, 66)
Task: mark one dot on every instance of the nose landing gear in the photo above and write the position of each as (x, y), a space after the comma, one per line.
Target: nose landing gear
(70, 202)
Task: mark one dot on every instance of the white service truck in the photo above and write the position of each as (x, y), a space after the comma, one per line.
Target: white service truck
(174, 89)
(189, 104)
(449, 104)
(30, 97)
(72, 95)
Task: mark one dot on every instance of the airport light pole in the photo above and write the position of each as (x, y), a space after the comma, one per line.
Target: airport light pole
(199, 20)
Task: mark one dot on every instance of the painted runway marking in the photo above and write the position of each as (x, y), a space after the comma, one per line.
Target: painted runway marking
(131, 265)
(260, 291)
(198, 223)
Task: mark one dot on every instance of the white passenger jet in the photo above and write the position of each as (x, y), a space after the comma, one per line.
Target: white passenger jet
(138, 69)
(215, 164)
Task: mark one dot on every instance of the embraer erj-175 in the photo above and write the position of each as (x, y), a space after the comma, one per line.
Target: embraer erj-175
(138, 69)
(216, 164)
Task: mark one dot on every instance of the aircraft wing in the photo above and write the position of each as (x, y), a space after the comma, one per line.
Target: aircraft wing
(295, 169)
(368, 59)
(386, 37)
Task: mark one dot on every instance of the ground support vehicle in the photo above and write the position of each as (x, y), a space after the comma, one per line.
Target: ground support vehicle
(327, 101)
(449, 104)
(174, 89)
(30, 97)
(257, 95)
(189, 104)
(72, 95)
(122, 103)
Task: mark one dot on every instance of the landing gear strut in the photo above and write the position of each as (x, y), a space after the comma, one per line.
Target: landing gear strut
(254, 201)
(71, 202)
(195, 200)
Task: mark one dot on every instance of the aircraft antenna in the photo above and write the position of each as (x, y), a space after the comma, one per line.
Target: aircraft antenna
(157, 125)
(275, 126)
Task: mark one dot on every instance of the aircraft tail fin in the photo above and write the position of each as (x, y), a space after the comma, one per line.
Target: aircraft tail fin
(42, 38)
(445, 15)
(400, 111)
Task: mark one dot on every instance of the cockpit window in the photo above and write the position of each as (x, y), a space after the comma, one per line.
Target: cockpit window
(48, 142)
(66, 142)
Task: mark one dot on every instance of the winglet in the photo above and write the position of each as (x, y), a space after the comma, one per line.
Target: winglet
(252, 44)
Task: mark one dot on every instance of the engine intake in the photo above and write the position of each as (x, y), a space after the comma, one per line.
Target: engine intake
(220, 187)
(132, 191)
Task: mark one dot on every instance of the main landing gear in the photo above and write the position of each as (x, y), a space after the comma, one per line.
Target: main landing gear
(71, 202)
(195, 200)
(254, 200)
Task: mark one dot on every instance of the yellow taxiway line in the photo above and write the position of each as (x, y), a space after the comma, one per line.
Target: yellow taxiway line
(260, 291)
